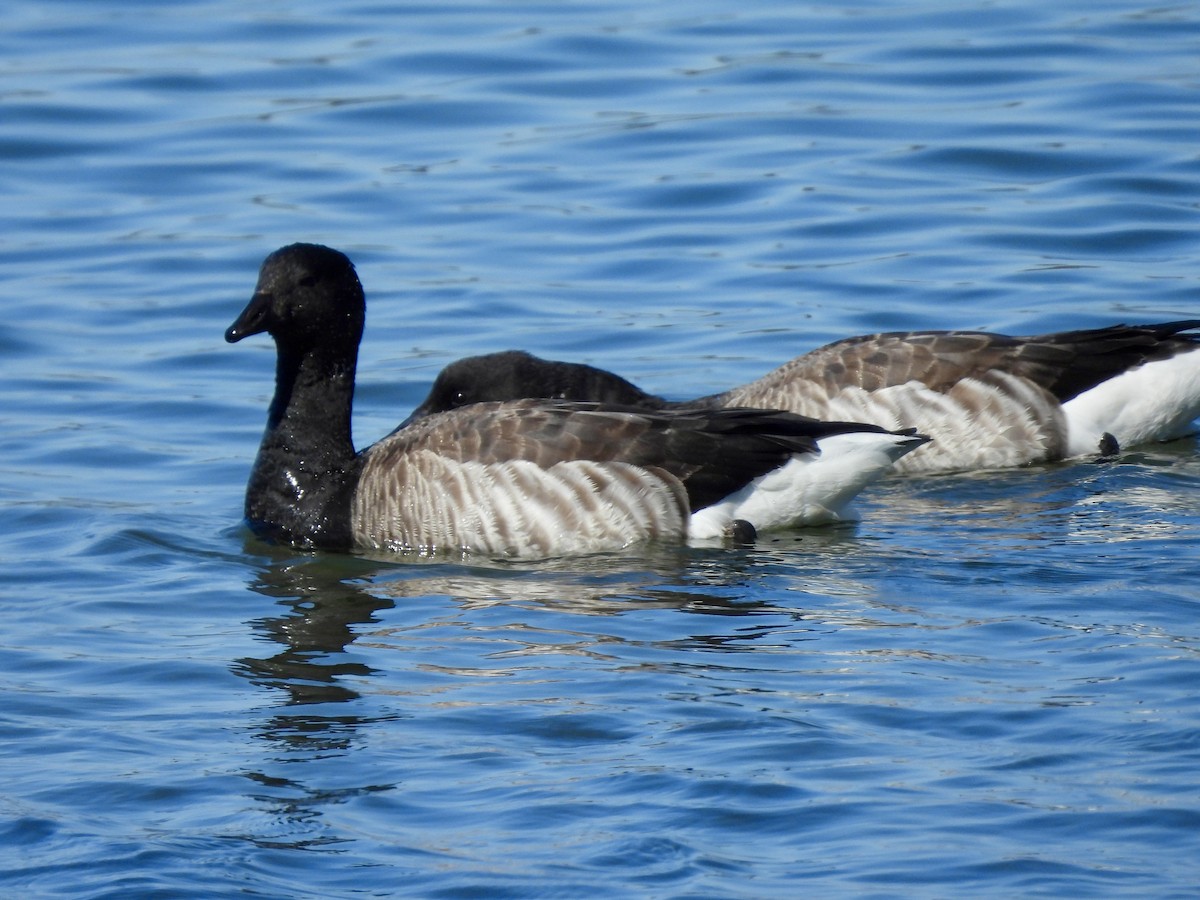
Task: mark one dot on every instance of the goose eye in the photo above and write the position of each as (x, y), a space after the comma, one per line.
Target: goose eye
(460, 399)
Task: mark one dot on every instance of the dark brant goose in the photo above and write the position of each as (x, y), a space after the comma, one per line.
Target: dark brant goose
(519, 478)
(987, 400)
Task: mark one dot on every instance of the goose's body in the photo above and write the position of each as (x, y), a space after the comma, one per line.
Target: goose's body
(519, 478)
(987, 400)
(536, 477)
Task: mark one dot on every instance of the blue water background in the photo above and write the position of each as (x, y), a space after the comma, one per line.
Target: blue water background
(987, 688)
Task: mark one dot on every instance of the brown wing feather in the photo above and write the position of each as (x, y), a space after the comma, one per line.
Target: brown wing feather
(1064, 364)
(871, 362)
(1071, 362)
(713, 452)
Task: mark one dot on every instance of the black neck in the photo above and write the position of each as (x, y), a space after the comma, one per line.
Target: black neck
(304, 476)
(314, 398)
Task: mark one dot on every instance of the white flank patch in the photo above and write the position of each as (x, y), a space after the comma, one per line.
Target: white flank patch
(1155, 402)
(809, 489)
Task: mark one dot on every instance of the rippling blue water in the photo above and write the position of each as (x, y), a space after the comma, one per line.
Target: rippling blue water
(988, 687)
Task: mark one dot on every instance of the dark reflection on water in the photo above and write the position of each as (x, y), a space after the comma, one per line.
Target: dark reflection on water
(330, 602)
(315, 716)
(324, 613)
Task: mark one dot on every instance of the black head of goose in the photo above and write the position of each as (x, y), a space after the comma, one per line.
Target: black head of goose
(987, 400)
(517, 375)
(527, 477)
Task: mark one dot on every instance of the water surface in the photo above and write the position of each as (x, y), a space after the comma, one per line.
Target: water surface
(987, 687)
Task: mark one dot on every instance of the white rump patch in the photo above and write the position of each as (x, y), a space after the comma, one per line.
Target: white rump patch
(1158, 401)
(809, 489)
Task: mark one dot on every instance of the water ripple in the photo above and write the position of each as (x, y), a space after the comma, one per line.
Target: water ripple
(986, 686)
